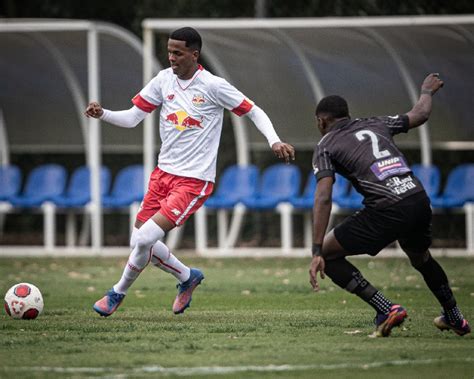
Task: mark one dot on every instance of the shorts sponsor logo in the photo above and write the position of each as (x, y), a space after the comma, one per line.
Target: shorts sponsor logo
(176, 212)
(389, 167)
(400, 186)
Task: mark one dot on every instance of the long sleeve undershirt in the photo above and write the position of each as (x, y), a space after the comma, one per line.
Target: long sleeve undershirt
(263, 124)
(132, 117)
(126, 119)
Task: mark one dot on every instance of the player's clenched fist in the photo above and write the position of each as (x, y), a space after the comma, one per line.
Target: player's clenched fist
(94, 109)
(284, 151)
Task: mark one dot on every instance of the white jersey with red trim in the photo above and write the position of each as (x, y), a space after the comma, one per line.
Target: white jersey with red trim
(191, 119)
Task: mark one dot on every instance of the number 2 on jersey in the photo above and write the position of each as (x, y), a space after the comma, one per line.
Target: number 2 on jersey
(375, 143)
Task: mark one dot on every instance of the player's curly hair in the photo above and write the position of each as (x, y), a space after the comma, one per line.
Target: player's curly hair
(334, 106)
(189, 35)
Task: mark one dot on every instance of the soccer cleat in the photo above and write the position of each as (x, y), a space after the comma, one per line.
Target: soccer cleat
(109, 303)
(185, 291)
(460, 327)
(385, 323)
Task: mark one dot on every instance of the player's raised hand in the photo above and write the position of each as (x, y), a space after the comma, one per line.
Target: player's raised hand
(432, 83)
(94, 109)
(284, 151)
(317, 265)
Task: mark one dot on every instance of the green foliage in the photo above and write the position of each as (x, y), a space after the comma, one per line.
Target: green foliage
(248, 312)
(129, 14)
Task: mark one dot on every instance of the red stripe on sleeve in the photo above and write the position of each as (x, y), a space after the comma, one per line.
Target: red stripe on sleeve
(244, 107)
(144, 105)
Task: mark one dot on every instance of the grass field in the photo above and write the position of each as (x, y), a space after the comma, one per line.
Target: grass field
(249, 318)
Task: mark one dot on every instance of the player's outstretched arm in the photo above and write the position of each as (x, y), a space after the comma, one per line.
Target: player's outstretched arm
(126, 119)
(281, 149)
(421, 111)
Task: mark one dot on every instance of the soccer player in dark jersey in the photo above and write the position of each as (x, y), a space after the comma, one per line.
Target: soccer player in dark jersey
(396, 206)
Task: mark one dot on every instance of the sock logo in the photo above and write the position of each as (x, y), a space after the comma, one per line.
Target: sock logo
(360, 280)
(133, 267)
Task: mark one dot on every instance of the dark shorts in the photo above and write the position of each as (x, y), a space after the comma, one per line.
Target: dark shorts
(370, 230)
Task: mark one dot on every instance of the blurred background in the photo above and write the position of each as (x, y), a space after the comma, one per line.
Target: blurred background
(44, 80)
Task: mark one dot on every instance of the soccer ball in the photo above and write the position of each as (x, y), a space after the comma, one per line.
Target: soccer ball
(24, 301)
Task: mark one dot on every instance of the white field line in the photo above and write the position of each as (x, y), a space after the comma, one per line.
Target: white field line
(218, 370)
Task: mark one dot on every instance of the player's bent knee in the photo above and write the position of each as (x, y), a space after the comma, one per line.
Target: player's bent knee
(418, 259)
(144, 241)
(332, 249)
(148, 234)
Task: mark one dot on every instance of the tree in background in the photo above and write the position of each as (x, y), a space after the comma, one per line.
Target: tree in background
(129, 14)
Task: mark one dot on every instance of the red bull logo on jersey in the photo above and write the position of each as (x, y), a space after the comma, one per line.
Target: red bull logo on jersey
(181, 121)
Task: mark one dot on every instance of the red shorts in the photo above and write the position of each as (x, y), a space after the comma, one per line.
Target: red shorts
(175, 197)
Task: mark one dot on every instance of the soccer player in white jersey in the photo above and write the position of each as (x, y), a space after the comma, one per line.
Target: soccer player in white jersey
(192, 104)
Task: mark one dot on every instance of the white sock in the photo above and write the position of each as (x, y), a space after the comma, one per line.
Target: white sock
(165, 260)
(143, 239)
(133, 237)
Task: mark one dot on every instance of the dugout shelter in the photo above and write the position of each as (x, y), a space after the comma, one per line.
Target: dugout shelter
(50, 70)
(377, 63)
(284, 65)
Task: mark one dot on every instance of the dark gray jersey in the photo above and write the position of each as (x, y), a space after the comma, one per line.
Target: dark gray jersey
(363, 151)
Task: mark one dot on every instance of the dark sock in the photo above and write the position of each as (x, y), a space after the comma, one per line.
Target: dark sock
(348, 277)
(453, 315)
(381, 303)
(437, 282)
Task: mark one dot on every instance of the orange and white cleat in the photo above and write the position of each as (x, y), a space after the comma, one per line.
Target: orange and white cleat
(385, 323)
(460, 327)
(109, 303)
(185, 291)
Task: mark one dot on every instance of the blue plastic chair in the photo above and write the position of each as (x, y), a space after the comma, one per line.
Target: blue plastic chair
(42, 184)
(306, 200)
(10, 182)
(78, 192)
(126, 189)
(279, 183)
(236, 183)
(430, 177)
(459, 188)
